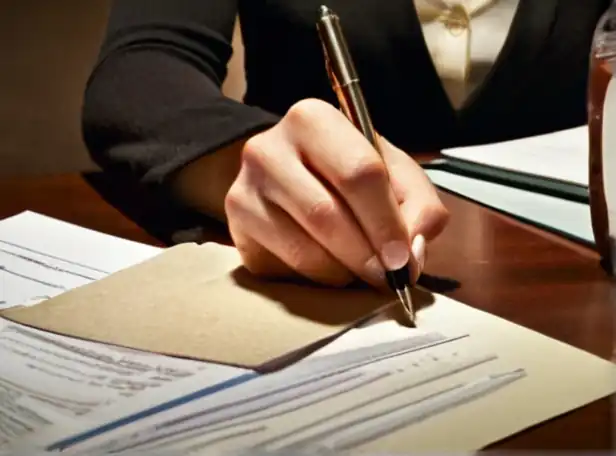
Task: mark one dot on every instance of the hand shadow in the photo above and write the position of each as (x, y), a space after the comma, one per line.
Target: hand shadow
(347, 307)
(325, 305)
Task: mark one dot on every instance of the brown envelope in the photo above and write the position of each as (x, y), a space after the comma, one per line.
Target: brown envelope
(195, 301)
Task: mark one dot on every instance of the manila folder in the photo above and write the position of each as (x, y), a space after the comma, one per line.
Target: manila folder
(196, 301)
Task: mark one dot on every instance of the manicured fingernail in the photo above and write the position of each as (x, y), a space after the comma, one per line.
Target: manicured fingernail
(418, 248)
(374, 270)
(395, 255)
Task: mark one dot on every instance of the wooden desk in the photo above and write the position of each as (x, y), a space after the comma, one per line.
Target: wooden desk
(504, 267)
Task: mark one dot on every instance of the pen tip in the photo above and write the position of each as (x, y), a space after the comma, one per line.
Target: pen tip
(324, 11)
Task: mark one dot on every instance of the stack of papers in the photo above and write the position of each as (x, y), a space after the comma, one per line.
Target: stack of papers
(561, 157)
(377, 387)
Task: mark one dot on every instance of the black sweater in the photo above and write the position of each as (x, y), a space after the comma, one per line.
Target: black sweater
(153, 102)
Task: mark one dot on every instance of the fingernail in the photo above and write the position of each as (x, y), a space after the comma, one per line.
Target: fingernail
(374, 270)
(418, 248)
(395, 255)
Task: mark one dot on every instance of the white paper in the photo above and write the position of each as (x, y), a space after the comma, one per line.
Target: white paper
(47, 379)
(356, 386)
(568, 217)
(277, 412)
(346, 397)
(562, 155)
(41, 257)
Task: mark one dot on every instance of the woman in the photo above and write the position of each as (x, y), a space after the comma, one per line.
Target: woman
(302, 191)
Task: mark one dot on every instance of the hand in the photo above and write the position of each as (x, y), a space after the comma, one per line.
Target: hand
(313, 198)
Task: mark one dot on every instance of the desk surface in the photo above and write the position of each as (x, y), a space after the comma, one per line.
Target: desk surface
(509, 269)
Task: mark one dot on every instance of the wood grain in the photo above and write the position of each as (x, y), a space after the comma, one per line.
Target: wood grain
(507, 268)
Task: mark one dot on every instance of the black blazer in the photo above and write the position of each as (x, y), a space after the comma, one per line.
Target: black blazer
(153, 102)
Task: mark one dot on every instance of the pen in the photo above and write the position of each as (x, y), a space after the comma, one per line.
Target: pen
(345, 84)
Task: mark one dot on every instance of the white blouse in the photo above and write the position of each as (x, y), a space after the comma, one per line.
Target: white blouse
(464, 38)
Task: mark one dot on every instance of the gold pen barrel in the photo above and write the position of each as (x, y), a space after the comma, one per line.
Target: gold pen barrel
(337, 52)
(343, 75)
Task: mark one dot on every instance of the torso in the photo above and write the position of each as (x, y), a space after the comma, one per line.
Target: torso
(464, 38)
(536, 82)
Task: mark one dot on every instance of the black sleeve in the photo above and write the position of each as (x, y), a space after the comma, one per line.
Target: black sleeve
(153, 102)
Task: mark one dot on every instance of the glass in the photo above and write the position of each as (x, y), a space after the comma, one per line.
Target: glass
(602, 137)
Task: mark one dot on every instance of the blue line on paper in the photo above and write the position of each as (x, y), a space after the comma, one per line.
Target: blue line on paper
(71, 441)
(222, 424)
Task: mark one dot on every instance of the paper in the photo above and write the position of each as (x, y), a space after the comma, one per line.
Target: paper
(565, 217)
(46, 379)
(195, 301)
(41, 257)
(562, 155)
(381, 388)
(460, 362)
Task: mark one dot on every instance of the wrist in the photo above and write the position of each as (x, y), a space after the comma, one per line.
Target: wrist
(204, 183)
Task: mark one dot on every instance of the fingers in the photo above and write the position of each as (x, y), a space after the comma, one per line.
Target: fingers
(338, 152)
(313, 197)
(272, 244)
(327, 219)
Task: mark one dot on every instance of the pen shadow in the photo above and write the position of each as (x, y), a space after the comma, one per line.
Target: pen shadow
(349, 307)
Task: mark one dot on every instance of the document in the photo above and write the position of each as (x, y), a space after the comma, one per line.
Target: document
(381, 387)
(338, 401)
(562, 155)
(215, 306)
(48, 379)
